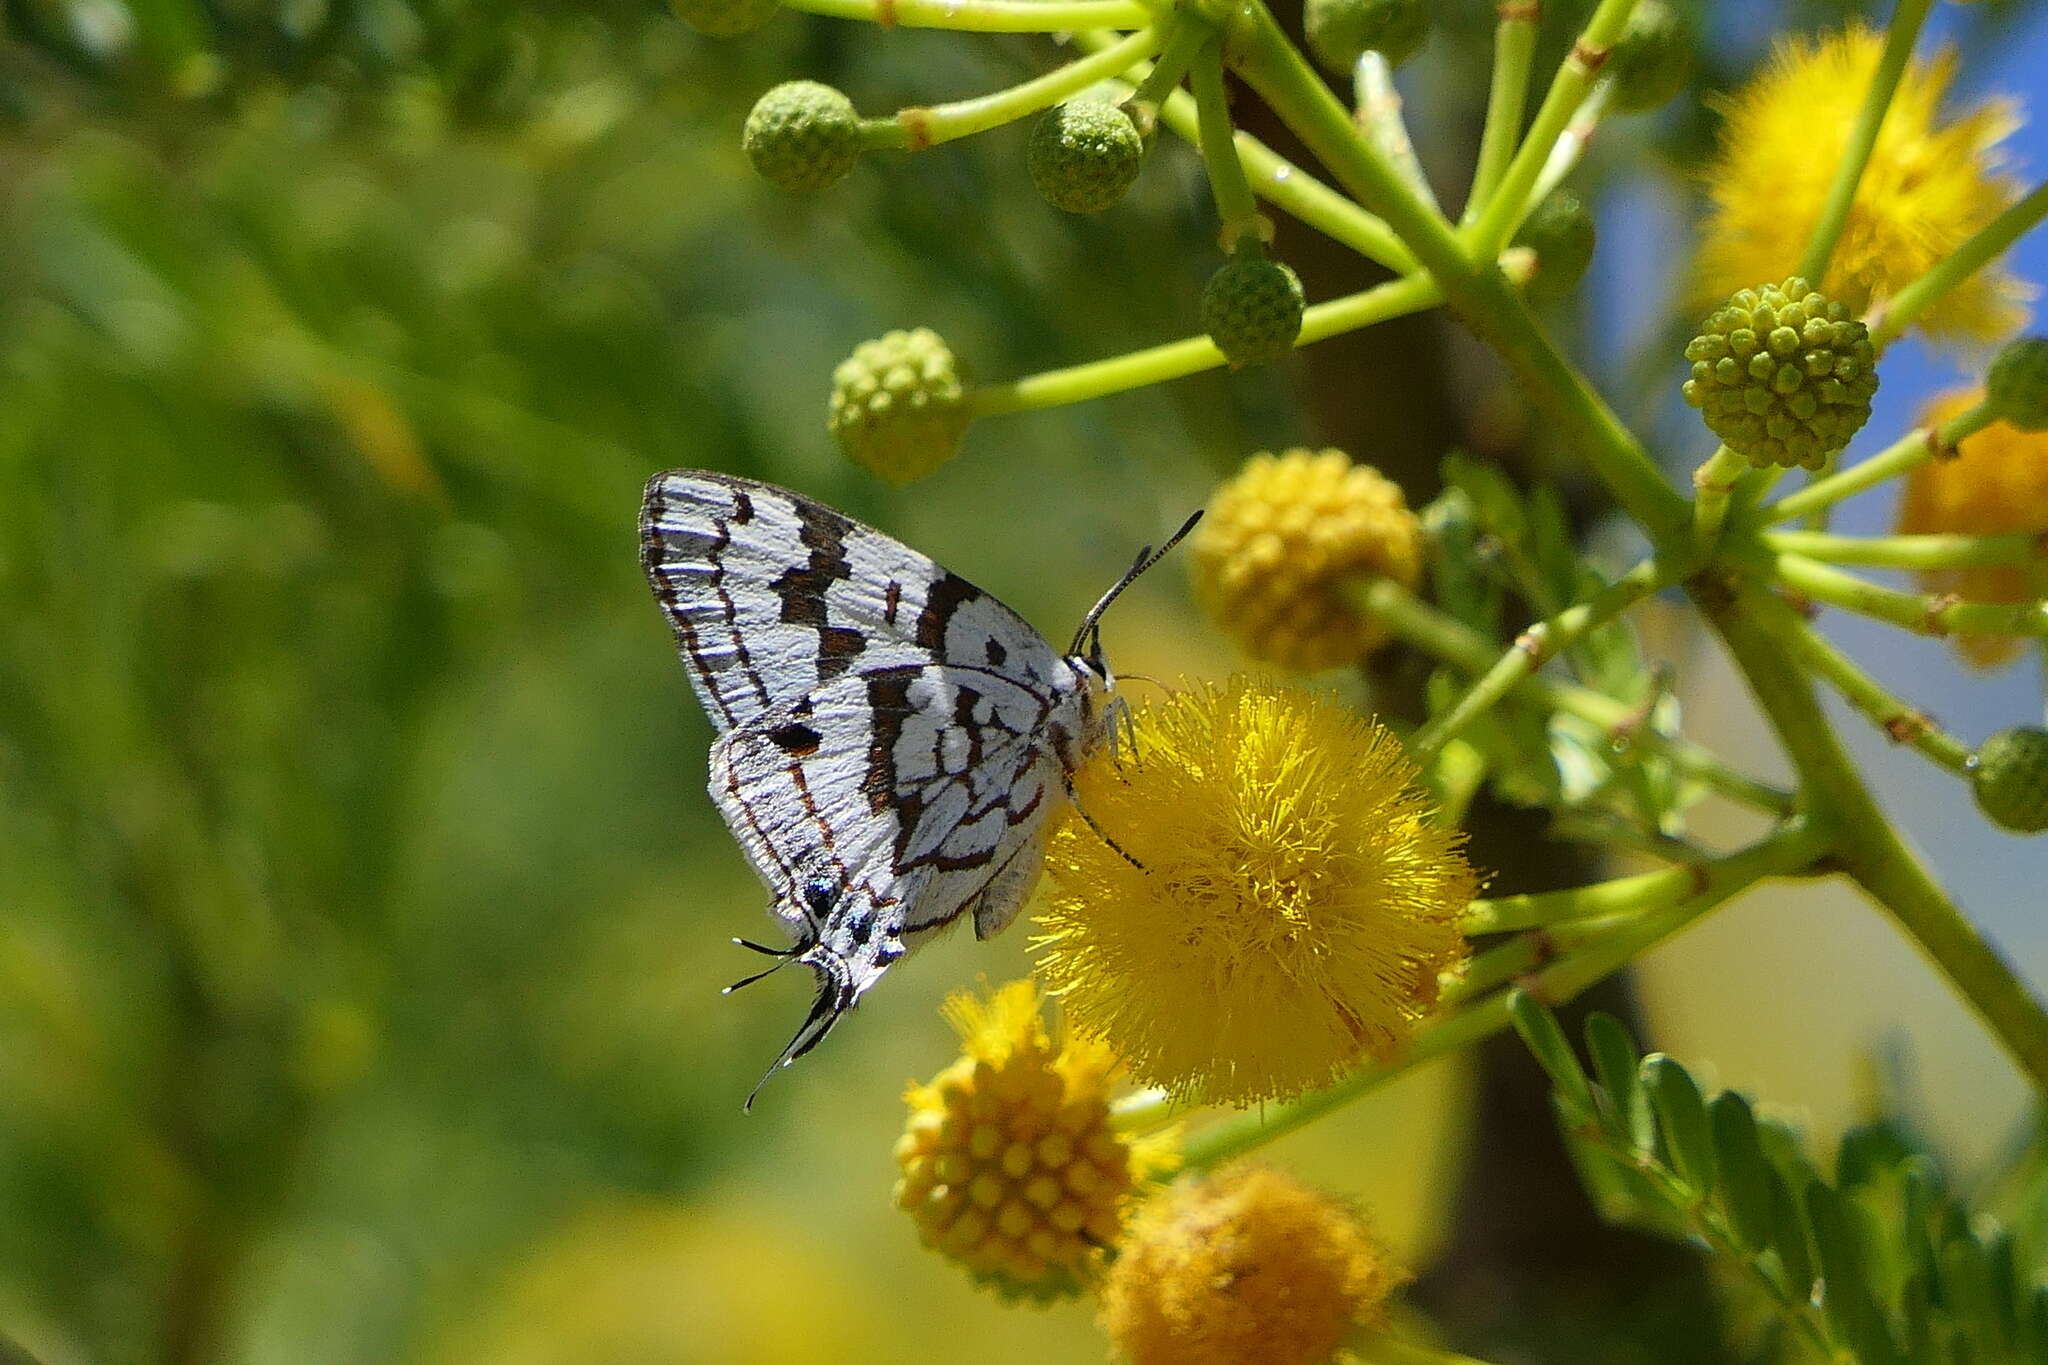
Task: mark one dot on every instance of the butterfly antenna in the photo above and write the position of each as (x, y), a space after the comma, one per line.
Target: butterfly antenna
(1147, 557)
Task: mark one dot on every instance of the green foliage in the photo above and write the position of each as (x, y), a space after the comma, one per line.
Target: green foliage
(1880, 1264)
(1492, 543)
(2017, 383)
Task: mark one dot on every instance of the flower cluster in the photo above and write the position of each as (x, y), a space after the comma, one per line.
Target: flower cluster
(1010, 1164)
(1282, 542)
(1782, 374)
(1929, 184)
(1249, 1265)
(1279, 902)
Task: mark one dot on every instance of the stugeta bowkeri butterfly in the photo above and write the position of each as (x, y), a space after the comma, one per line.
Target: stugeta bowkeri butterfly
(891, 739)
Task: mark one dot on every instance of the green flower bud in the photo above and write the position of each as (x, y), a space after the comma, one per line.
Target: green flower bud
(802, 136)
(1782, 374)
(724, 18)
(1560, 232)
(899, 405)
(1340, 31)
(2010, 779)
(2017, 386)
(1251, 309)
(1653, 60)
(1084, 155)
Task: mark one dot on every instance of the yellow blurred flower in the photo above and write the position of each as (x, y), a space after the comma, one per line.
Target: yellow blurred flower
(647, 1280)
(1995, 484)
(1010, 1164)
(1249, 1265)
(1930, 183)
(1291, 905)
(1281, 538)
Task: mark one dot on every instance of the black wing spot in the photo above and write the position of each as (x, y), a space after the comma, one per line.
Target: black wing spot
(996, 653)
(947, 595)
(803, 590)
(796, 740)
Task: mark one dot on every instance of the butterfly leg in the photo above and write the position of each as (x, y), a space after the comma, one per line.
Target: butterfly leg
(1100, 832)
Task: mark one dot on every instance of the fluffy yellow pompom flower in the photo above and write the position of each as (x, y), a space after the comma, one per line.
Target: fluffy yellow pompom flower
(1010, 1165)
(1929, 185)
(1287, 905)
(1995, 484)
(1248, 1265)
(1280, 539)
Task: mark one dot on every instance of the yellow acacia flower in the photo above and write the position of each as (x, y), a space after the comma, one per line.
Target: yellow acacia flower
(1249, 1265)
(1995, 484)
(1930, 183)
(1278, 903)
(1009, 1163)
(1280, 539)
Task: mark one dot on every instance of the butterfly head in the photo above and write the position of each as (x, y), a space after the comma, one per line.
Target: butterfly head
(1103, 708)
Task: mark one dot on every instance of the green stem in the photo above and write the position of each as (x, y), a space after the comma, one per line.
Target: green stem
(919, 128)
(1926, 613)
(1454, 642)
(1514, 52)
(1273, 66)
(1191, 355)
(1234, 202)
(1509, 204)
(1538, 645)
(1274, 178)
(1755, 625)
(1261, 53)
(1184, 38)
(1901, 723)
(1571, 145)
(1877, 101)
(1914, 448)
(1989, 243)
(1536, 910)
(1919, 552)
(1379, 117)
(985, 16)
(1792, 848)
(1712, 483)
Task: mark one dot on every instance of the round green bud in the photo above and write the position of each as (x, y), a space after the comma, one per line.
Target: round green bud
(1084, 155)
(802, 136)
(724, 18)
(2017, 386)
(1252, 309)
(1560, 232)
(1340, 31)
(1653, 60)
(899, 405)
(2010, 779)
(1782, 374)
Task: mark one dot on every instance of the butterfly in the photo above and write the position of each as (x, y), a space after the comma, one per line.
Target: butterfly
(891, 740)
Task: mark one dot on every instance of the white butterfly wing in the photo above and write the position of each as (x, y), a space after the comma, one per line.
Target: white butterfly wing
(914, 793)
(772, 595)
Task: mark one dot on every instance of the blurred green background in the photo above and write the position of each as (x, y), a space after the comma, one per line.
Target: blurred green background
(361, 914)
